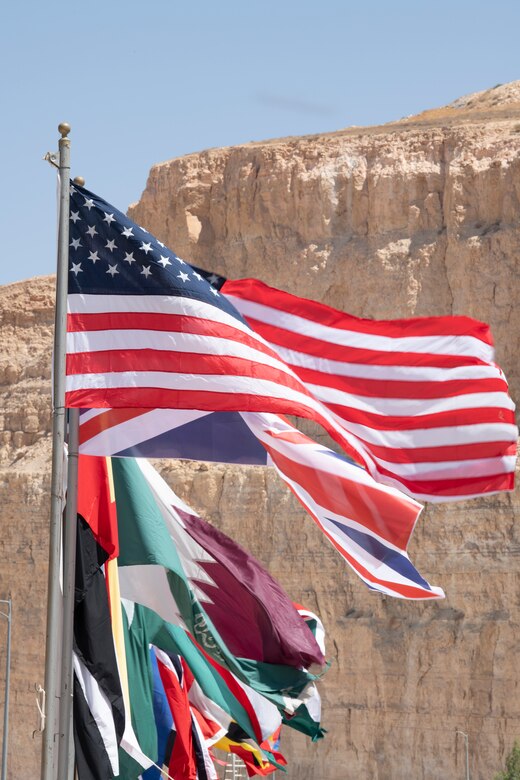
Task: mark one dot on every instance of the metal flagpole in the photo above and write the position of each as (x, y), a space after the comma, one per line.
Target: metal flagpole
(58, 441)
(466, 741)
(69, 572)
(5, 737)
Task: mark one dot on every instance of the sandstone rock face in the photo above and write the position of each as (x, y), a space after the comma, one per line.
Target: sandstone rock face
(412, 218)
(417, 217)
(26, 317)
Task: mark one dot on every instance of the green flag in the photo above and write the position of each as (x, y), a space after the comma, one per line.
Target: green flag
(144, 628)
(151, 574)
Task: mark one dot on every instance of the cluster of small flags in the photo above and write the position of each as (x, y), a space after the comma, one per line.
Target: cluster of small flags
(229, 655)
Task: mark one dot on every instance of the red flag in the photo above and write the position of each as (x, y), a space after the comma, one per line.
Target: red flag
(181, 762)
(96, 501)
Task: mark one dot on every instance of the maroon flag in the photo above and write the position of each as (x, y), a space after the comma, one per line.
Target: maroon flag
(253, 615)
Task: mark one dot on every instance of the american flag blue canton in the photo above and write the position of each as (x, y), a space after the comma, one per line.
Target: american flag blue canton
(147, 330)
(111, 255)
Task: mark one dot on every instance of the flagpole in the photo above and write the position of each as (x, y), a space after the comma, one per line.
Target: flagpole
(52, 640)
(5, 737)
(69, 576)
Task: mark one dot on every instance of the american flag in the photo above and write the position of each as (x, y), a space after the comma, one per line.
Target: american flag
(145, 329)
(421, 400)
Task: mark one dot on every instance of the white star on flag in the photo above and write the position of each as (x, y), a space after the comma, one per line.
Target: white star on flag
(146, 271)
(108, 218)
(76, 268)
(75, 243)
(112, 270)
(111, 245)
(74, 215)
(91, 230)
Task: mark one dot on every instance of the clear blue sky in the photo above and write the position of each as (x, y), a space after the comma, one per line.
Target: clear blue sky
(142, 82)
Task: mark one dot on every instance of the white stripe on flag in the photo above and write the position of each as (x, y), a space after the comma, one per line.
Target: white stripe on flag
(387, 373)
(439, 345)
(188, 343)
(130, 433)
(433, 437)
(408, 407)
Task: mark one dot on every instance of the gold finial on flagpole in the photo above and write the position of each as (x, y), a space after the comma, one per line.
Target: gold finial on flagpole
(64, 129)
(79, 180)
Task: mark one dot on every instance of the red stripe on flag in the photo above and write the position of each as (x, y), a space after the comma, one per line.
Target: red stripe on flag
(252, 289)
(320, 348)
(235, 688)
(163, 323)
(382, 513)
(391, 388)
(456, 487)
(167, 362)
(405, 591)
(294, 436)
(449, 453)
(203, 400)
(451, 418)
(106, 420)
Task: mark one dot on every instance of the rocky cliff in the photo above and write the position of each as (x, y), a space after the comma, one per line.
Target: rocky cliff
(415, 217)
